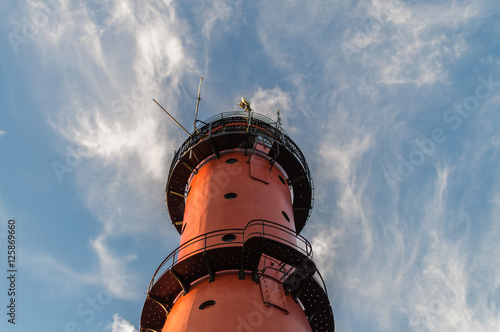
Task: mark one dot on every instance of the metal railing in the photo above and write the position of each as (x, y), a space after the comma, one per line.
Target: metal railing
(238, 114)
(259, 124)
(252, 230)
(244, 123)
(203, 238)
(202, 243)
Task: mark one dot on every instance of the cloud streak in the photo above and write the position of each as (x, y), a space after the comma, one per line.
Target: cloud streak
(109, 119)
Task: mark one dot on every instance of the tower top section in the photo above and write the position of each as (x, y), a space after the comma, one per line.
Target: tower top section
(249, 133)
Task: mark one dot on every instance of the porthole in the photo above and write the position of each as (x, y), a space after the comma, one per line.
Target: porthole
(231, 161)
(229, 237)
(207, 304)
(281, 179)
(286, 216)
(230, 195)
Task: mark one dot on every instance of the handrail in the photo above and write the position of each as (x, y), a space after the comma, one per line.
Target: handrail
(230, 114)
(268, 129)
(320, 282)
(307, 251)
(246, 233)
(197, 239)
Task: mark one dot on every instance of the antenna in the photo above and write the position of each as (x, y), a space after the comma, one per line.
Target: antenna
(172, 118)
(278, 121)
(197, 104)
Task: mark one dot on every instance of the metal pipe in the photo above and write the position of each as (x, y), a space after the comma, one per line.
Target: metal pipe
(197, 103)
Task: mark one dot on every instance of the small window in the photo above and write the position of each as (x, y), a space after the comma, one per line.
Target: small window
(207, 304)
(230, 195)
(229, 238)
(231, 161)
(286, 216)
(282, 180)
(184, 227)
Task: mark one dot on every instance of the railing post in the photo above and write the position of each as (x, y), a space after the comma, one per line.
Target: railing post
(241, 273)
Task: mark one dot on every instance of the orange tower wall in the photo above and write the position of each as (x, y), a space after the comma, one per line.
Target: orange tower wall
(223, 194)
(260, 194)
(238, 307)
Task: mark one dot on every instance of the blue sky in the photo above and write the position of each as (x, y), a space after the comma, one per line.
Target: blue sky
(395, 105)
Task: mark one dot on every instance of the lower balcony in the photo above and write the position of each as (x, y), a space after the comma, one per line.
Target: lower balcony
(240, 250)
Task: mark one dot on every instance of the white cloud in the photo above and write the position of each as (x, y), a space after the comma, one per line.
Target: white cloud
(268, 101)
(113, 271)
(123, 55)
(121, 325)
(394, 42)
(2, 133)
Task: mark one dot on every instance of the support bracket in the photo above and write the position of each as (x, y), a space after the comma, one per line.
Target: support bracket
(162, 305)
(210, 267)
(241, 273)
(184, 284)
(189, 167)
(215, 149)
(297, 179)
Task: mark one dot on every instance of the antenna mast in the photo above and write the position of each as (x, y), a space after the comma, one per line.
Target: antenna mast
(278, 121)
(197, 104)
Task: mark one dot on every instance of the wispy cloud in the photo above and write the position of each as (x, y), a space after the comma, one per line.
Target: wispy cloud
(405, 246)
(119, 135)
(111, 273)
(56, 273)
(268, 101)
(2, 133)
(219, 12)
(411, 43)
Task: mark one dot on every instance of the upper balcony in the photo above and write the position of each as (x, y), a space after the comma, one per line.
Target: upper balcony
(239, 131)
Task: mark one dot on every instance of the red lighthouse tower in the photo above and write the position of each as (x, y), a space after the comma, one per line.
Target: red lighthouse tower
(239, 192)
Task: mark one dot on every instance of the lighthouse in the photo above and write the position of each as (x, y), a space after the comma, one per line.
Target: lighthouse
(239, 192)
